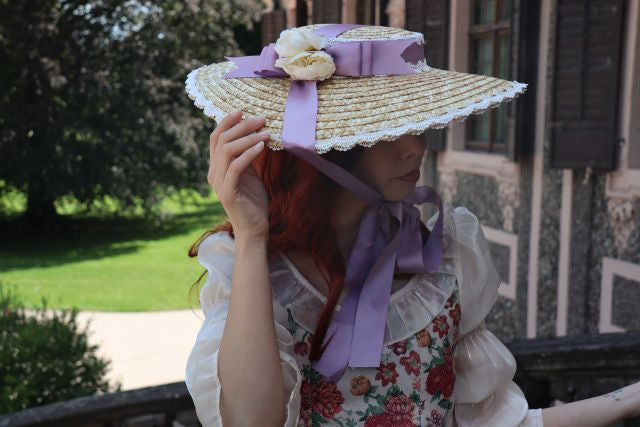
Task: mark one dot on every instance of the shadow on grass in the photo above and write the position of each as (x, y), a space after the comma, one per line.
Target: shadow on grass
(94, 238)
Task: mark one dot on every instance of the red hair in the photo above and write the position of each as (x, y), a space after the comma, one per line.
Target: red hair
(299, 219)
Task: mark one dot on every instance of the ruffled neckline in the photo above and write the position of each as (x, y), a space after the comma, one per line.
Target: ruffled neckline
(411, 308)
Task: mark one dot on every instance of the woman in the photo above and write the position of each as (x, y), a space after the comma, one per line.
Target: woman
(276, 276)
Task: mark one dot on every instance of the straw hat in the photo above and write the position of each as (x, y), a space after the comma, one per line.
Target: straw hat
(355, 110)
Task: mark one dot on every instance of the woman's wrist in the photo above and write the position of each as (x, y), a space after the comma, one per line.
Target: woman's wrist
(251, 241)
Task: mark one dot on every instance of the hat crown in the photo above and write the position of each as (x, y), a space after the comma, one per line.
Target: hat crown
(370, 32)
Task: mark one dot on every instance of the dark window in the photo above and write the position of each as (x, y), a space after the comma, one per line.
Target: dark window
(490, 55)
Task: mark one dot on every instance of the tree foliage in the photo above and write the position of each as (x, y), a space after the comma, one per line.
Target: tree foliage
(92, 99)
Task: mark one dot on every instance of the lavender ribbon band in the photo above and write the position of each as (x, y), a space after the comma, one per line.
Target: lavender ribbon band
(356, 333)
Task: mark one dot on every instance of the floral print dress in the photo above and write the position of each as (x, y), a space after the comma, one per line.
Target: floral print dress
(412, 387)
(440, 365)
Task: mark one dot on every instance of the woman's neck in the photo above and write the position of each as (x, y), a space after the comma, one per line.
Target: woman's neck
(347, 215)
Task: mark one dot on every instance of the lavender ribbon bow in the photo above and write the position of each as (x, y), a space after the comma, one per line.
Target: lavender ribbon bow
(356, 334)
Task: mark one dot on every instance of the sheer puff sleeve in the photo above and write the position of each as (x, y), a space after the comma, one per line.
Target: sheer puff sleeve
(485, 392)
(216, 254)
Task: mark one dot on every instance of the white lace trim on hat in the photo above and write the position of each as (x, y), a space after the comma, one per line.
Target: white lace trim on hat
(411, 308)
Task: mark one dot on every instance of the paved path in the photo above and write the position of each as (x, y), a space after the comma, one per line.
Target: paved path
(146, 348)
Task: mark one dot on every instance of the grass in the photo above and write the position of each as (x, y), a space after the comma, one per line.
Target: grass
(112, 264)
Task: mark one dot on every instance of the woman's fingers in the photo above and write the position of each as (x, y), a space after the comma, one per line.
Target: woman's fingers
(229, 151)
(226, 123)
(239, 164)
(239, 130)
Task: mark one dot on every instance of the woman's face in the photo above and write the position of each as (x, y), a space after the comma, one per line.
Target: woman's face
(383, 165)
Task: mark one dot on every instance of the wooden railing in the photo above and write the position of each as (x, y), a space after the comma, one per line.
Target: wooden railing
(167, 405)
(565, 369)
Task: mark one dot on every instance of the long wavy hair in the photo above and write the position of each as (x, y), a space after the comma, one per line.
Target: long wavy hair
(299, 220)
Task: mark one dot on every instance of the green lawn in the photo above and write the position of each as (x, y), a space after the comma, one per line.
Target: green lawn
(123, 265)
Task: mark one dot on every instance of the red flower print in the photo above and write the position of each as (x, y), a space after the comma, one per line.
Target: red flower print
(400, 408)
(436, 418)
(456, 335)
(441, 378)
(301, 348)
(415, 384)
(424, 338)
(454, 313)
(323, 398)
(440, 325)
(448, 355)
(399, 347)
(327, 399)
(379, 420)
(449, 302)
(411, 363)
(387, 373)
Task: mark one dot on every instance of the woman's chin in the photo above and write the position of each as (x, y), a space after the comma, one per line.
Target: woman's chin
(400, 190)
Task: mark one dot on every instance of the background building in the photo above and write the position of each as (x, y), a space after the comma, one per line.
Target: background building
(553, 177)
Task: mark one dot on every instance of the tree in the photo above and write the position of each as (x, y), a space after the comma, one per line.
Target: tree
(92, 99)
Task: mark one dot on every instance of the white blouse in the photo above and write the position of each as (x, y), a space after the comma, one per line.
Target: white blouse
(484, 392)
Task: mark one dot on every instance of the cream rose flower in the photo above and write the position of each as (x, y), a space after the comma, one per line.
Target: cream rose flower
(314, 65)
(296, 40)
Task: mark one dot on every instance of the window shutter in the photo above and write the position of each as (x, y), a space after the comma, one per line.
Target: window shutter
(431, 18)
(273, 22)
(526, 33)
(327, 11)
(586, 83)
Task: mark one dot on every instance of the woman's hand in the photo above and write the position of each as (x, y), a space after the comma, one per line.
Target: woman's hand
(233, 146)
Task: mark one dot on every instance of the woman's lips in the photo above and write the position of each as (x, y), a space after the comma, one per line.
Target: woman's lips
(412, 176)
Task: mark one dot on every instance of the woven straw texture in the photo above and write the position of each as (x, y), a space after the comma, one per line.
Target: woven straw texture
(356, 110)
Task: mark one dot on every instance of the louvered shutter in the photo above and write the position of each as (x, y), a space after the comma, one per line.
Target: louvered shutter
(327, 11)
(586, 79)
(431, 18)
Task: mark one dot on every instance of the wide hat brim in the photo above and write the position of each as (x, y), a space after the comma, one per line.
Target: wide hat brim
(355, 110)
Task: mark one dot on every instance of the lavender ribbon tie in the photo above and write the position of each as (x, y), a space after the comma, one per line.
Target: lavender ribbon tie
(356, 333)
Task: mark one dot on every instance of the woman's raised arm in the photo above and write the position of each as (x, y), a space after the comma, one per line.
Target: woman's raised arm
(248, 362)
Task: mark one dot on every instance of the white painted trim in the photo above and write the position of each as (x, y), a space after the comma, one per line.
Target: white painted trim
(510, 240)
(624, 183)
(536, 196)
(611, 267)
(562, 311)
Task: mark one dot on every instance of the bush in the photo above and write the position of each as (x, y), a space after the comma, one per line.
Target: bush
(44, 357)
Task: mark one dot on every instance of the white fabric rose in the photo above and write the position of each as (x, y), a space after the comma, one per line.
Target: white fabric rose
(296, 40)
(315, 65)
(300, 55)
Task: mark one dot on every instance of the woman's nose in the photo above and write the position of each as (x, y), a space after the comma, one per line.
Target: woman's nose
(411, 146)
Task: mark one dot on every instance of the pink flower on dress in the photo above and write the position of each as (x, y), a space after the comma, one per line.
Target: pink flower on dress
(399, 347)
(411, 363)
(387, 373)
(440, 325)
